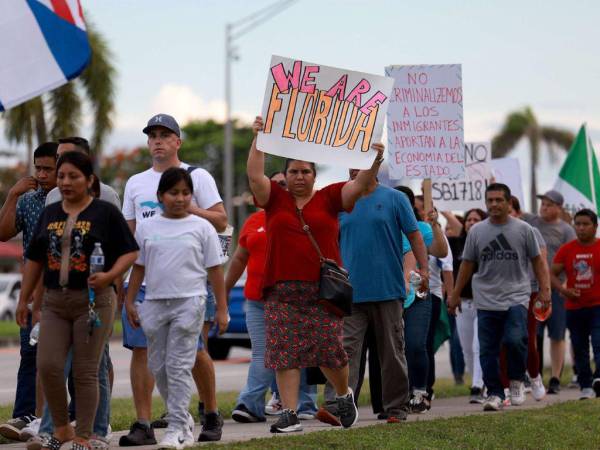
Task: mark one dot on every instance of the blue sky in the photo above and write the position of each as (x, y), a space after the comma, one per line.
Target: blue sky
(170, 55)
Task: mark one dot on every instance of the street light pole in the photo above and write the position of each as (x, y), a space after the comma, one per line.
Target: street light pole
(234, 31)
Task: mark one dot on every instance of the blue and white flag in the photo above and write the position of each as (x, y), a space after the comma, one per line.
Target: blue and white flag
(43, 45)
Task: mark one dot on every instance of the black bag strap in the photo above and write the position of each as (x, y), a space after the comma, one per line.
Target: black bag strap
(306, 229)
(190, 169)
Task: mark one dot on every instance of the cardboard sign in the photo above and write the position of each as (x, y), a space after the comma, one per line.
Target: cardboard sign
(323, 114)
(467, 193)
(425, 122)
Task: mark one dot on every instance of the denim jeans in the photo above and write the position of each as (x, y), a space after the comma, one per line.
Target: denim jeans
(457, 361)
(436, 309)
(497, 328)
(102, 412)
(417, 318)
(584, 324)
(260, 379)
(25, 395)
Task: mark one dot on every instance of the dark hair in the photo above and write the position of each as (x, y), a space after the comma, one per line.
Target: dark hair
(277, 172)
(588, 213)
(288, 161)
(516, 205)
(80, 160)
(480, 212)
(79, 142)
(411, 198)
(46, 150)
(499, 187)
(171, 177)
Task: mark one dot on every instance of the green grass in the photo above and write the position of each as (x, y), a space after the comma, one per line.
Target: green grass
(9, 329)
(567, 425)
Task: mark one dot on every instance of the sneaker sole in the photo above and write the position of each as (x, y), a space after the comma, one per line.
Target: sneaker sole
(204, 438)
(124, 442)
(10, 432)
(290, 429)
(243, 417)
(491, 408)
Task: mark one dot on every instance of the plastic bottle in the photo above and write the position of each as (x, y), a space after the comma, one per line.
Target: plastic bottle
(540, 311)
(34, 336)
(415, 281)
(97, 259)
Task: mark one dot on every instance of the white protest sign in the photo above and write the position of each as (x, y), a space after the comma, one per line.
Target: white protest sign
(508, 171)
(323, 114)
(425, 122)
(469, 192)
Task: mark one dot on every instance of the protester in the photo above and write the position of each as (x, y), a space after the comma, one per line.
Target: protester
(66, 234)
(300, 331)
(466, 318)
(172, 313)
(580, 261)
(555, 232)
(140, 203)
(371, 247)
(20, 212)
(251, 254)
(501, 247)
(538, 391)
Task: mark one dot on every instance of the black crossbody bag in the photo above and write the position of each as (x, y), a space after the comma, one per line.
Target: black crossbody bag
(335, 290)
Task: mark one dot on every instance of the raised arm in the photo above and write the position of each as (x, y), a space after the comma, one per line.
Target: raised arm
(439, 245)
(255, 168)
(352, 190)
(454, 224)
(8, 213)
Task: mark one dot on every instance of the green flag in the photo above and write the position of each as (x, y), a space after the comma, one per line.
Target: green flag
(579, 177)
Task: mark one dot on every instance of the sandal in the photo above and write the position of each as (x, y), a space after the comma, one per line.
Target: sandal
(51, 443)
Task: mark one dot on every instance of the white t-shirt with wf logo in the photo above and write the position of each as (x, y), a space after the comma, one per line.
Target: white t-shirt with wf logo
(502, 254)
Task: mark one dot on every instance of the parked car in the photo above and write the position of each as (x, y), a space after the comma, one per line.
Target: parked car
(237, 332)
(10, 287)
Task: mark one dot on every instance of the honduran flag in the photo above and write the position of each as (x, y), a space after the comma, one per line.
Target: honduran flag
(43, 45)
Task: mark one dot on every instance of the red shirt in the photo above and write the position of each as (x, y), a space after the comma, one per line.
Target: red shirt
(290, 255)
(582, 266)
(253, 238)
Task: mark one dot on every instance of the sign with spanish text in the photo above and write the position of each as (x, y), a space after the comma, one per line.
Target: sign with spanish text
(323, 114)
(468, 192)
(425, 122)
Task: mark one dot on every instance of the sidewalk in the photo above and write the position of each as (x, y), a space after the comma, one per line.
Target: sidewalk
(444, 408)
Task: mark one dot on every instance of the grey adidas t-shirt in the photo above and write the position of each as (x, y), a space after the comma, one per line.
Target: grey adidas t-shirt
(502, 253)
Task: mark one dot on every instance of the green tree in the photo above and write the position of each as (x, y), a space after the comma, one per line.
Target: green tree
(523, 124)
(58, 113)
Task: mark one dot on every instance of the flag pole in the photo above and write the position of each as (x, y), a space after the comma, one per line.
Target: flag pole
(590, 159)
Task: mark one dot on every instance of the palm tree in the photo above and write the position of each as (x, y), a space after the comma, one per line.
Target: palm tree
(58, 113)
(523, 124)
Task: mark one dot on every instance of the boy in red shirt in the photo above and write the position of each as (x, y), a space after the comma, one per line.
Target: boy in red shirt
(580, 260)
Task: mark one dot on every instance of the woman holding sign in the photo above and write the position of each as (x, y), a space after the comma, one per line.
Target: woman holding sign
(300, 332)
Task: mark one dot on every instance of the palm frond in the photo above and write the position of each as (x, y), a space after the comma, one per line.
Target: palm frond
(65, 106)
(514, 128)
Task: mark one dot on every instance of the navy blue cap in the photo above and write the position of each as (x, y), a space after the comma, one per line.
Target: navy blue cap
(163, 120)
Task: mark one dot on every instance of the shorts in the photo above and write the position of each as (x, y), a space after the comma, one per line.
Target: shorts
(557, 322)
(211, 305)
(135, 338)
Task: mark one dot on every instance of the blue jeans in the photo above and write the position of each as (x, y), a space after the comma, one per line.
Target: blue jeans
(25, 395)
(102, 412)
(260, 378)
(496, 328)
(457, 361)
(417, 318)
(584, 324)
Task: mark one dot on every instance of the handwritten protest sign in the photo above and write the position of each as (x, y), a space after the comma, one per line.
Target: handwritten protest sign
(508, 171)
(469, 192)
(425, 122)
(323, 114)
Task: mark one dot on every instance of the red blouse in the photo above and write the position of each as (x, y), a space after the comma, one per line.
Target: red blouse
(253, 238)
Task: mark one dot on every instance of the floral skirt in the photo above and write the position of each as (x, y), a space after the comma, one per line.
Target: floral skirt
(300, 332)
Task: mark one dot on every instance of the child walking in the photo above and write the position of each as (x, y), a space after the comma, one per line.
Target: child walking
(178, 252)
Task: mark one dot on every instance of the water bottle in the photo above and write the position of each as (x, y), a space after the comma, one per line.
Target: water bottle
(414, 279)
(97, 259)
(34, 336)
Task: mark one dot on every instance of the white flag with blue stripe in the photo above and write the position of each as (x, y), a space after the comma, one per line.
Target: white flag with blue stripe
(43, 45)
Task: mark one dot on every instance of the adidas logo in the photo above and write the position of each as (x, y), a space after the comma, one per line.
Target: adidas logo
(499, 250)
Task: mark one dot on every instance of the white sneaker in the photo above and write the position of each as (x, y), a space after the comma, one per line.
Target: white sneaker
(30, 430)
(517, 393)
(493, 403)
(108, 433)
(538, 391)
(587, 393)
(274, 407)
(189, 428)
(177, 439)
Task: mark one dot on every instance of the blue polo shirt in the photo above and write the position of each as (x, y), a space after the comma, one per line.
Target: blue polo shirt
(371, 244)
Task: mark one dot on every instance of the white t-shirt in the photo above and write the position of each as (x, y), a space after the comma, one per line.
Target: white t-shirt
(140, 201)
(107, 194)
(176, 253)
(436, 267)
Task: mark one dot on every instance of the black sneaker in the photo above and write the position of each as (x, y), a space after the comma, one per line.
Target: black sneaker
(139, 434)
(241, 414)
(160, 423)
(201, 413)
(288, 422)
(596, 386)
(554, 386)
(382, 416)
(476, 396)
(212, 428)
(346, 409)
(11, 429)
